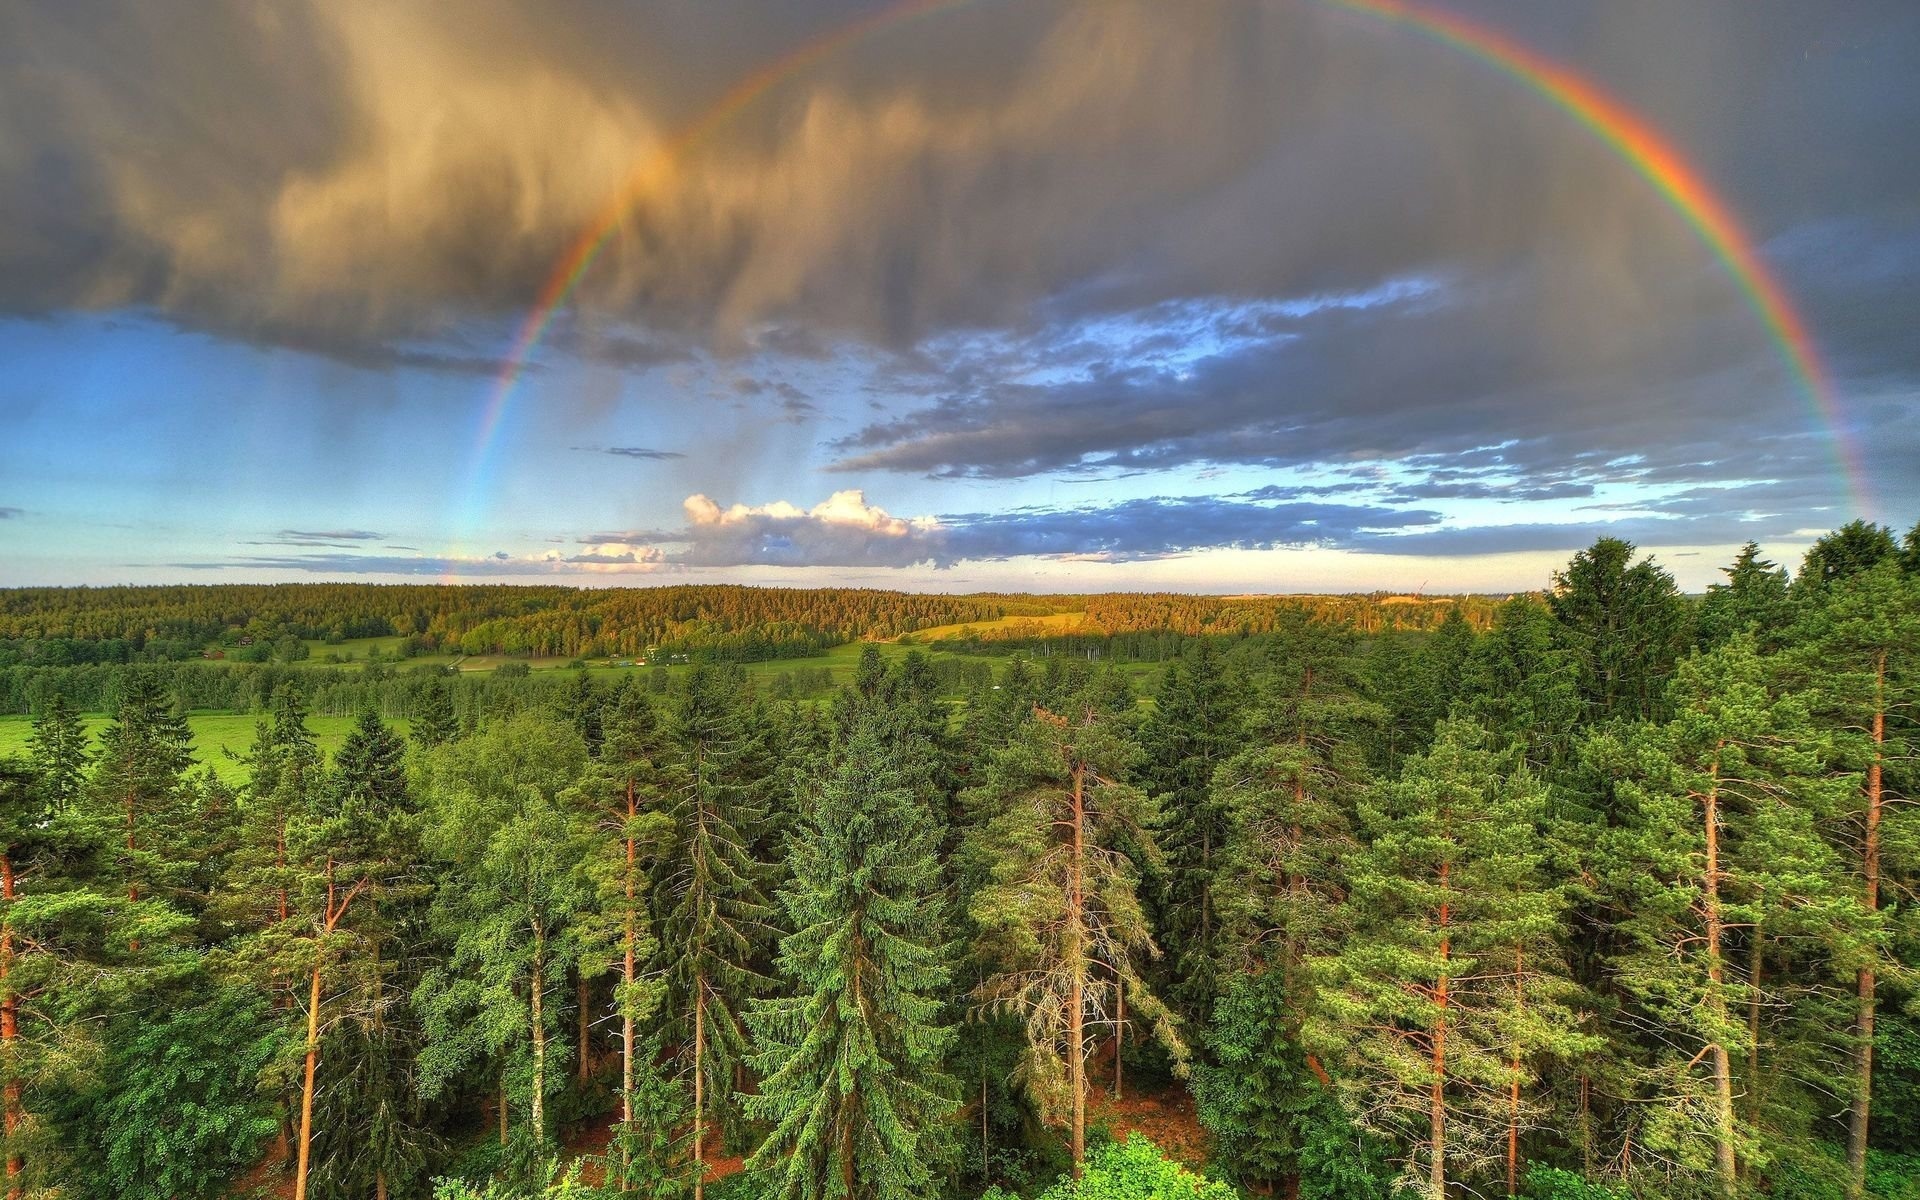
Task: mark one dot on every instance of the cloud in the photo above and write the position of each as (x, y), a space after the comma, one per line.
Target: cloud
(845, 530)
(332, 535)
(842, 531)
(8, 514)
(1164, 526)
(645, 453)
(382, 172)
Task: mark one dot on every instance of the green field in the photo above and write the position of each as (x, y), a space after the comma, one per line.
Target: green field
(220, 740)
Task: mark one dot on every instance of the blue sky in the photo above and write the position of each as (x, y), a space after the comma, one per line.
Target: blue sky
(1060, 296)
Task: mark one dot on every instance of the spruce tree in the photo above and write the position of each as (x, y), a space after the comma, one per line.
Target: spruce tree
(140, 801)
(1194, 727)
(1624, 625)
(714, 912)
(434, 722)
(1753, 599)
(850, 1061)
(59, 752)
(1522, 684)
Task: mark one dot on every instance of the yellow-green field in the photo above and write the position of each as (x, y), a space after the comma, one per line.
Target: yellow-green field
(1050, 625)
(219, 739)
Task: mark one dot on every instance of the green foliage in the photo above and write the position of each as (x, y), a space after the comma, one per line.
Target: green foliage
(1896, 1084)
(1624, 626)
(1131, 1170)
(850, 1061)
(507, 905)
(1270, 1118)
(1552, 1183)
(175, 1115)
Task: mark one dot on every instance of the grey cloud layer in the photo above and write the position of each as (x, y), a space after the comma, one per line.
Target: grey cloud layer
(354, 173)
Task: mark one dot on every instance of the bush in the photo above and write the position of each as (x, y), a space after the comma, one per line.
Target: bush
(1131, 1170)
(1551, 1183)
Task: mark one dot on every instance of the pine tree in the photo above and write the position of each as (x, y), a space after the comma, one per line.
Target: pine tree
(714, 910)
(850, 1062)
(621, 797)
(1291, 797)
(1437, 1013)
(1060, 920)
(1859, 653)
(1716, 834)
(355, 845)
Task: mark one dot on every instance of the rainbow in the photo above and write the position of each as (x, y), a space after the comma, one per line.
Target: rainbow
(1642, 146)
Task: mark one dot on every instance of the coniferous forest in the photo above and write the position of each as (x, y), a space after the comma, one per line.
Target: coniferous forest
(1603, 892)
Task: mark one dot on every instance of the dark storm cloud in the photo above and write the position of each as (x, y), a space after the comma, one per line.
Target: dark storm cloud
(367, 172)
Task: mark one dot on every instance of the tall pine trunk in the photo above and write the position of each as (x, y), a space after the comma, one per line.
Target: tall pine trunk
(335, 910)
(1857, 1125)
(306, 1087)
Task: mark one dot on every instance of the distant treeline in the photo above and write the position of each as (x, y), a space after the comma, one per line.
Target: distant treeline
(61, 627)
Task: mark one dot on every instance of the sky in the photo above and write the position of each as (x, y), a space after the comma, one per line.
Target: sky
(1052, 295)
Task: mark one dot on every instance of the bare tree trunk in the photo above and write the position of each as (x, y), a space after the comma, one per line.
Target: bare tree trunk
(1077, 968)
(983, 1120)
(538, 1107)
(1119, 1030)
(1437, 1095)
(1857, 1125)
(1756, 963)
(1513, 1083)
(699, 1092)
(1724, 1164)
(626, 1015)
(9, 1033)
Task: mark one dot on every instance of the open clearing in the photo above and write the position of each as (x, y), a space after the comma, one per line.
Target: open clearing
(220, 740)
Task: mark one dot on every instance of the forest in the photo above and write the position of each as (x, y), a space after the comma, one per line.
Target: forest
(1595, 894)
